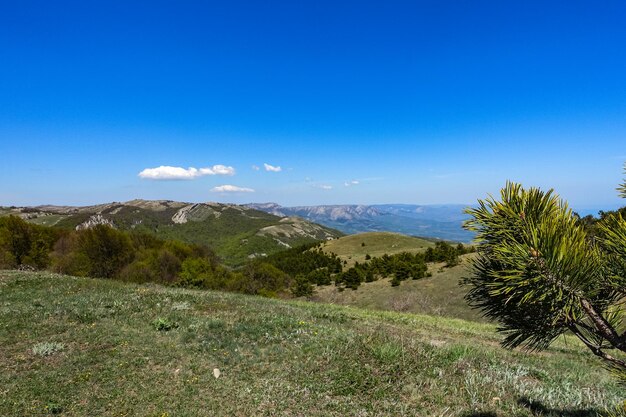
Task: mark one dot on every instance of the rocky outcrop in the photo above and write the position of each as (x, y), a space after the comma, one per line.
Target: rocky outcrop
(344, 212)
(331, 212)
(196, 212)
(94, 221)
(294, 228)
(181, 215)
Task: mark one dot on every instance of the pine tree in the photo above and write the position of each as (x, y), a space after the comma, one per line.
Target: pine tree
(302, 287)
(540, 274)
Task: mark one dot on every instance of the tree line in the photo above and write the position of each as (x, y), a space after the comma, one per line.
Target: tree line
(401, 266)
(309, 265)
(133, 256)
(105, 252)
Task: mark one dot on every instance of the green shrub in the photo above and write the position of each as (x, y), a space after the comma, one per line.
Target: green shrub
(22, 243)
(107, 249)
(351, 278)
(165, 264)
(7, 260)
(304, 260)
(47, 348)
(163, 325)
(73, 263)
(196, 273)
(53, 408)
(263, 292)
(139, 272)
(302, 287)
(319, 276)
(261, 276)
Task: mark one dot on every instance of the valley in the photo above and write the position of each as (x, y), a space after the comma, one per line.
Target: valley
(434, 221)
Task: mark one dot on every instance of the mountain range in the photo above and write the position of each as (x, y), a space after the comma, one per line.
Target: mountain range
(235, 232)
(436, 221)
(240, 232)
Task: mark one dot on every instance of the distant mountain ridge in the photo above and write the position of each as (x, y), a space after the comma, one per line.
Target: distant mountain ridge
(437, 221)
(235, 232)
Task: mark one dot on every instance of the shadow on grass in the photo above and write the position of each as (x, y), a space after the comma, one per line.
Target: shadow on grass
(538, 409)
(479, 414)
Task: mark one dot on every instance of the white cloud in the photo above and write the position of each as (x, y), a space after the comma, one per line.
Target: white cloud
(255, 167)
(219, 170)
(272, 168)
(231, 189)
(165, 172)
(324, 186)
(351, 183)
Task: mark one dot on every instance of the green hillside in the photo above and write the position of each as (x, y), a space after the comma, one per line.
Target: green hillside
(78, 347)
(438, 295)
(353, 248)
(236, 233)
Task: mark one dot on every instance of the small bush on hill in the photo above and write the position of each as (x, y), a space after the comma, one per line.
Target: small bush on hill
(163, 325)
(23, 243)
(260, 278)
(304, 260)
(320, 277)
(47, 348)
(108, 250)
(302, 287)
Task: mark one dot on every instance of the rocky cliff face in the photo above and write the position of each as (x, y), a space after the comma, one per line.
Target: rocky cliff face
(94, 221)
(343, 212)
(195, 212)
(332, 212)
(295, 228)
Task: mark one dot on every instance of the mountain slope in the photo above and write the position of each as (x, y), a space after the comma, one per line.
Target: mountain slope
(234, 232)
(354, 248)
(77, 347)
(436, 221)
(439, 294)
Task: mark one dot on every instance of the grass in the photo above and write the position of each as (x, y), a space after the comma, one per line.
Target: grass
(49, 220)
(353, 248)
(43, 220)
(273, 357)
(439, 295)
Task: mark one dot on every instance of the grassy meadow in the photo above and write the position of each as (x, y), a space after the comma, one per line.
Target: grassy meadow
(438, 295)
(87, 347)
(354, 248)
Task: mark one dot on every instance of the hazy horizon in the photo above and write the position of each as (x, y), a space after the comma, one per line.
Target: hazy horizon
(581, 210)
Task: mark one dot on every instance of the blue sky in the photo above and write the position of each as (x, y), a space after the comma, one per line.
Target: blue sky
(381, 102)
